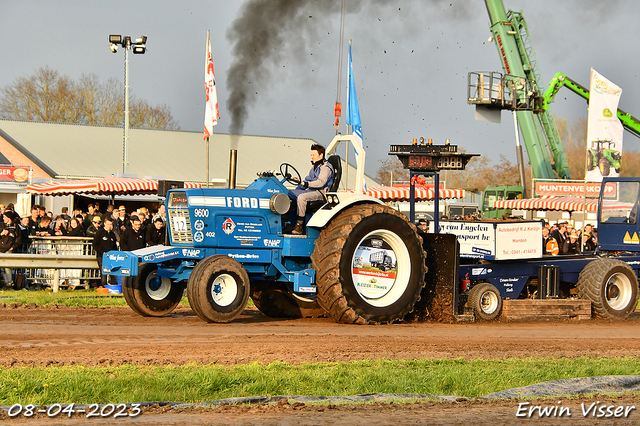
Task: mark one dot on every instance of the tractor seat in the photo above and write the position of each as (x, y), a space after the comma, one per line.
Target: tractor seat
(336, 163)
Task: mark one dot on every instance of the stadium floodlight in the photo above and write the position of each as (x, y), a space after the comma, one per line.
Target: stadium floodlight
(138, 47)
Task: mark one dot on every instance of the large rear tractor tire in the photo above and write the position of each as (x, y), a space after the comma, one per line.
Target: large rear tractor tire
(275, 301)
(149, 295)
(590, 161)
(485, 300)
(219, 289)
(611, 286)
(605, 166)
(350, 289)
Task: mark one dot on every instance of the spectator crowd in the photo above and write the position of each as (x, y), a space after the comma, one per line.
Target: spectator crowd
(118, 229)
(112, 229)
(562, 238)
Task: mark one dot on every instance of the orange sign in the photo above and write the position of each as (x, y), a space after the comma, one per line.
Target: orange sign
(573, 188)
(17, 174)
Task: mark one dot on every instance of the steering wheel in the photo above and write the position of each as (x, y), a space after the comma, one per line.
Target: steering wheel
(284, 171)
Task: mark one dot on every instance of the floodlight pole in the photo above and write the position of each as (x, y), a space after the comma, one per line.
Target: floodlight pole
(125, 143)
(138, 47)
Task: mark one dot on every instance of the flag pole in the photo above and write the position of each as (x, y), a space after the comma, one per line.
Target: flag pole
(207, 56)
(349, 129)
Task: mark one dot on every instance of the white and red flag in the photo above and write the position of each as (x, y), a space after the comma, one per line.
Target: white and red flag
(211, 113)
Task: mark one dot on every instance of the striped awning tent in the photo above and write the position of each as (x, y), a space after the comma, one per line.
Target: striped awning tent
(386, 193)
(104, 186)
(550, 203)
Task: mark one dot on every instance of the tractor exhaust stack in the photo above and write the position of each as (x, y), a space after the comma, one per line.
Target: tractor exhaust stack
(233, 161)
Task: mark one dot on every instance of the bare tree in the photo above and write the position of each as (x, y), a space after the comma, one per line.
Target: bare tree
(481, 173)
(48, 96)
(41, 97)
(391, 167)
(147, 116)
(101, 103)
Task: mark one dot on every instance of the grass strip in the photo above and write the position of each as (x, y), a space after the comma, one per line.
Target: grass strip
(63, 297)
(72, 298)
(197, 383)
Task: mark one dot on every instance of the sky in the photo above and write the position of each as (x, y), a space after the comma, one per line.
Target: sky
(277, 67)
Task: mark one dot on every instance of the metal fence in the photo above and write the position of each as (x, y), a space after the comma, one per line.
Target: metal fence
(54, 261)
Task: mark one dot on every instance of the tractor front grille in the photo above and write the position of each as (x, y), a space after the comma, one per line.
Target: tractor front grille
(180, 226)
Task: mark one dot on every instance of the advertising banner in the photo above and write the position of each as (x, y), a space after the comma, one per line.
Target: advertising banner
(487, 240)
(374, 268)
(477, 239)
(14, 173)
(518, 240)
(574, 189)
(604, 130)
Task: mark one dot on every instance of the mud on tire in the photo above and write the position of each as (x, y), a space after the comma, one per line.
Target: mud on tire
(486, 301)
(275, 301)
(611, 286)
(218, 289)
(192, 286)
(149, 295)
(359, 230)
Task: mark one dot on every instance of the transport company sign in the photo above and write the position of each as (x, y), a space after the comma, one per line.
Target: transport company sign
(518, 240)
(477, 239)
(489, 240)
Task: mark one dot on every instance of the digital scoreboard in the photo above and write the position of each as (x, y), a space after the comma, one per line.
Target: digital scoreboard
(431, 158)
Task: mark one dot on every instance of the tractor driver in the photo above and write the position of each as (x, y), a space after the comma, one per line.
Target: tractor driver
(313, 187)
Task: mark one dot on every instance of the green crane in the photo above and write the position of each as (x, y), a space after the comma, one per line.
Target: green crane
(560, 80)
(538, 128)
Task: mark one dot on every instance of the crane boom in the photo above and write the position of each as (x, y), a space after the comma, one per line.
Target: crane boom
(539, 131)
(629, 122)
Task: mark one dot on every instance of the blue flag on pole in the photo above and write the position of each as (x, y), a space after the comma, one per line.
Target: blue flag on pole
(353, 113)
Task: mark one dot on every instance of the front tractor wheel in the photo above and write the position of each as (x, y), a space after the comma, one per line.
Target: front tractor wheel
(611, 286)
(218, 289)
(485, 300)
(150, 295)
(353, 285)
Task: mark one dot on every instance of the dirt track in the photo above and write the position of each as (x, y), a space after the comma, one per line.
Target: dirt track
(113, 336)
(94, 336)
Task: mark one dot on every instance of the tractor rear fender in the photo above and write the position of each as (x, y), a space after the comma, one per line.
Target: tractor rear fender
(337, 202)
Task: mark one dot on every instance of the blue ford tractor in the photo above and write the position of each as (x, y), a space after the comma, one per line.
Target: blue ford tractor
(226, 245)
